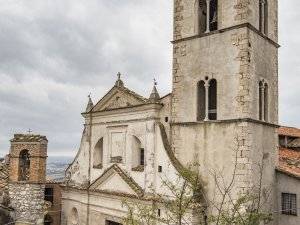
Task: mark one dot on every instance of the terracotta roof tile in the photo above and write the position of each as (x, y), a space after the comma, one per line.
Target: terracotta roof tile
(289, 161)
(53, 182)
(28, 138)
(289, 131)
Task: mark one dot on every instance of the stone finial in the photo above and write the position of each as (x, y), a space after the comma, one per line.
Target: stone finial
(154, 97)
(90, 104)
(119, 82)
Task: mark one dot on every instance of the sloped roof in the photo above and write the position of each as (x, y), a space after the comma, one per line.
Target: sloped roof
(109, 101)
(289, 131)
(175, 162)
(3, 177)
(28, 138)
(294, 143)
(129, 180)
(289, 162)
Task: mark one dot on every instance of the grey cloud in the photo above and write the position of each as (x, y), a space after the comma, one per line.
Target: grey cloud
(54, 52)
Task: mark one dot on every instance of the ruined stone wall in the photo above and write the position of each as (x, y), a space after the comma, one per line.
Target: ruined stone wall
(27, 200)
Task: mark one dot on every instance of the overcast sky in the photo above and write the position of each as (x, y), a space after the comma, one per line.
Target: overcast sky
(53, 53)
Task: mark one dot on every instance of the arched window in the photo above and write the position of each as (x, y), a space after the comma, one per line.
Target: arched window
(260, 100)
(138, 155)
(201, 101)
(212, 100)
(266, 102)
(263, 16)
(207, 15)
(24, 165)
(98, 155)
(213, 20)
(207, 100)
(74, 216)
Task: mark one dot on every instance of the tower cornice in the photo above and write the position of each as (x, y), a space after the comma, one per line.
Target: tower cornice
(244, 25)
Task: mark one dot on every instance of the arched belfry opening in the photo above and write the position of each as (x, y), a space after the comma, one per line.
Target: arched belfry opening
(24, 165)
(213, 20)
(202, 13)
(207, 15)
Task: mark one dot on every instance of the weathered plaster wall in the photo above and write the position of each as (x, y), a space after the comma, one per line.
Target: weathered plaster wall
(287, 184)
(72, 198)
(237, 60)
(213, 145)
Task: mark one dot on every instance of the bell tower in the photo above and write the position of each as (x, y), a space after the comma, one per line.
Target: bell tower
(27, 173)
(225, 87)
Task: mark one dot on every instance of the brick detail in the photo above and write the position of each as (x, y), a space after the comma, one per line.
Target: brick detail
(178, 53)
(243, 43)
(243, 10)
(244, 162)
(178, 18)
(38, 156)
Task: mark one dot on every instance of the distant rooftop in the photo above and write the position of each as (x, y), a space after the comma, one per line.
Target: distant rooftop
(28, 138)
(289, 131)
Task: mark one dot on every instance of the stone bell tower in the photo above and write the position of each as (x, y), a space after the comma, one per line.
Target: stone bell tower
(27, 173)
(225, 88)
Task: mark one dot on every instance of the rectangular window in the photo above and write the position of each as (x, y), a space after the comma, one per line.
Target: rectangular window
(142, 158)
(289, 204)
(158, 212)
(49, 195)
(159, 169)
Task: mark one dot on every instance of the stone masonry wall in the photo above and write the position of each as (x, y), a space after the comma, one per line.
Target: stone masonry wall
(27, 200)
(242, 42)
(243, 10)
(178, 18)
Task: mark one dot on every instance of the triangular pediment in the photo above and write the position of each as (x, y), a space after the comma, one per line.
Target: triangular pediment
(119, 97)
(114, 180)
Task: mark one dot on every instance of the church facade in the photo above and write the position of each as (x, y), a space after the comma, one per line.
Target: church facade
(222, 113)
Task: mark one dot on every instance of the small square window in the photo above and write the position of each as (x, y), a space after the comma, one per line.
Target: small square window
(166, 119)
(159, 169)
(289, 204)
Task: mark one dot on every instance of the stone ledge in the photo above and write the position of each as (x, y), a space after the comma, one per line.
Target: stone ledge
(248, 25)
(225, 121)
